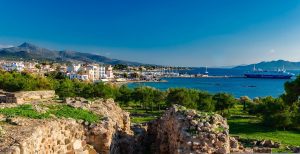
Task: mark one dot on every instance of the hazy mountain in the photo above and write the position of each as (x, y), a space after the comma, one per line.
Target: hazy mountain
(29, 51)
(272, 65)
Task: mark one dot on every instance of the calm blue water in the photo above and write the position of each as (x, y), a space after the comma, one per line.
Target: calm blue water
(236, 86)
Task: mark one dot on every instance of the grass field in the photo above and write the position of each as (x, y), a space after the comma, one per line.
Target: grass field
(142, 116)
(65, 111)
(249, 127)
(241, 124)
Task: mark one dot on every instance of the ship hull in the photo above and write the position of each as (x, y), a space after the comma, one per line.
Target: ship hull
(268, 76)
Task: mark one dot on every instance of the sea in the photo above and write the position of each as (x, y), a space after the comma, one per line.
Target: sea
(236, 86)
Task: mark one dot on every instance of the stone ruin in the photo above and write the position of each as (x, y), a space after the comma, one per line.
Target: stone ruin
(56, 135)
(178, 131)
(187, 131)
(25, 96)
(181, 131)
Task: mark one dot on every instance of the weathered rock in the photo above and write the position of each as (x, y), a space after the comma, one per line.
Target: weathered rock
(175, 133)
(2, 118)
(41, 136)
(2, 131)
(266, 143)
(112, 135)
(234, 144)
(191, 113)
(296, 149)
(26, 96)
(262, 150)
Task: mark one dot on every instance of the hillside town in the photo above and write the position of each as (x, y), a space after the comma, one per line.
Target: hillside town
(84, 72)
(93, 72)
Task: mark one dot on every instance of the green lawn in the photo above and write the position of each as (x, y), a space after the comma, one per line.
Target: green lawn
(249, 127)
(241, 124)
(142, 115)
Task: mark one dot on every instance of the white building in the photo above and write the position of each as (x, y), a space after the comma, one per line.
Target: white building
(83, 77)
(13, 66)
(92, 72)
(109, 72)
(102, 73)
(74, 68)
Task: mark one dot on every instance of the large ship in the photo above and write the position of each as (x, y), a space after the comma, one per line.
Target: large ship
(277, 74)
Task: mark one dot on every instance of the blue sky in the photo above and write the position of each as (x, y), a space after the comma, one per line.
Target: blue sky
(169, 32)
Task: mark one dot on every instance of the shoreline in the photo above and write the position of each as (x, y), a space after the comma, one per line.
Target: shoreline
(206, 77)
(136, 81)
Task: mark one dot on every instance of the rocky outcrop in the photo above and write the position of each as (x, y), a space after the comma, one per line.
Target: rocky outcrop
(178, 131)
(187, 131)
(44, 136)
(105, 136)
(67, 135)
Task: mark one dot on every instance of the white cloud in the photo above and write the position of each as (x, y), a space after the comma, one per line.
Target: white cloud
(5, 46)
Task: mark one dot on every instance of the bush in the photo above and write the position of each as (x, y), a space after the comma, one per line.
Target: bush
(223, 102)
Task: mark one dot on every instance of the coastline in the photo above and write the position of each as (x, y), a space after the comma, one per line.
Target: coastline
(205, 77)
(121, 83)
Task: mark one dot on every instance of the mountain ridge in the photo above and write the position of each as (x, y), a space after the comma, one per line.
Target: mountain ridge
(271, 65)
(30, 51)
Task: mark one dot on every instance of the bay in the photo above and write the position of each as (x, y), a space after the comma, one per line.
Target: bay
(235, 86)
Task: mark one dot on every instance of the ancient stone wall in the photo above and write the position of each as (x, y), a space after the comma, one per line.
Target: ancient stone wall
(104, 135)
(44, 136)
(67, 135)
(25, 96)
(187, 131)
(178, 131)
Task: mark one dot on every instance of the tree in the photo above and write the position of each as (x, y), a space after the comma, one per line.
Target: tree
(38, 66)
(120, 67)
(274, 112)
(125, 75)
(224, 101)
(292, 91)
(183, 96)
(245, 100)
(125, 95)
(143, 95)
(105, 90)
(158, 98)
(205, 102)
(135, 75)
(66, 89)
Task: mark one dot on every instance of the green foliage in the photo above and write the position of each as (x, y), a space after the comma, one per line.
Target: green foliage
(250, 127)
(274, 112)
(292, 89)
(135, 75)
(125, 95)
(142, 115)
(75, 113)
(65, 89)
(138, 120)
(120, 67)
(223, 102)
(183, 96)
(57, 110)
(206, 102)
(56, 75)
(14, 81)
(23, 111)
(144, 96)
